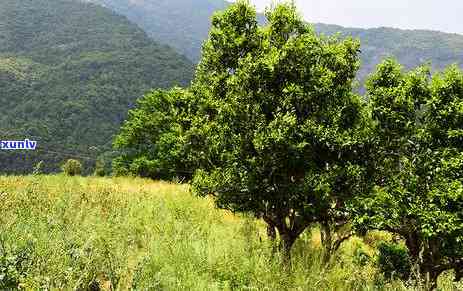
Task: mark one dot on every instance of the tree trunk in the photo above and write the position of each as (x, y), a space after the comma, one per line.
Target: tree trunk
(271, 232)
(413, 246)
(425, 255)
(288, 232)
(331, 240)
(459, 272)
(286, 245)
(327, 242)
(432, 276)
(272, 235)
(430, 272)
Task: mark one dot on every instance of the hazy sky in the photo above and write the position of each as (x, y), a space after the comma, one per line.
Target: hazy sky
(443, 15)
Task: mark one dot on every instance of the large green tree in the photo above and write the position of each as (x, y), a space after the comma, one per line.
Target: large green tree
(419, 162)
(278, 130)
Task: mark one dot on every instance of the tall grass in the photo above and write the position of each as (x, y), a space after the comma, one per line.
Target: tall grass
(74, 233)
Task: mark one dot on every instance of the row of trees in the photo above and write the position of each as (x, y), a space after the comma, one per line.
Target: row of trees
(271, 126)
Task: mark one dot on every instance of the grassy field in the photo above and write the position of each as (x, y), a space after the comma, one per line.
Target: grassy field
(63, 233)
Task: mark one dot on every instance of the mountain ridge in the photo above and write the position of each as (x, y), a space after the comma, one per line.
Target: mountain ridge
(441, 48)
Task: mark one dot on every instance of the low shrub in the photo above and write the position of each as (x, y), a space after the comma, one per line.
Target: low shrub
(394, 261)
(361, 257)
(72, 167)
(100, 169)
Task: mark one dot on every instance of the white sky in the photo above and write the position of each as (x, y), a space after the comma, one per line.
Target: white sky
(443, 15)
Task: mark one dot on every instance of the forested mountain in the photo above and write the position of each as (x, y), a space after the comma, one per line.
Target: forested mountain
(184, 24)
(69, 72)
(410, 47)
(69, 69)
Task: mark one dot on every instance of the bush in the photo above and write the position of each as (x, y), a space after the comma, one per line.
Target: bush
(100, 168)
(72, 167)
(120, 167)
(394, 261)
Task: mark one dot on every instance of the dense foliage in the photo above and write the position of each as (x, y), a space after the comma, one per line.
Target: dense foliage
(419, 163)
(69, 71)
(271, 116)
(273, 128)
(182, 24)
(411, 48)
(153, 142)
(270, 127)
(72, 167)
(394, 261)
(66, 66)
(280, 125)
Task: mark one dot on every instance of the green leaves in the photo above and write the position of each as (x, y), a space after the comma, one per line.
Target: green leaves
(271, 127)
(152, 141)
(280, 126)
(418, 162)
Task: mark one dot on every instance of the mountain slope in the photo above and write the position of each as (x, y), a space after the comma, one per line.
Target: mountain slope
(184, 24)
(69, 71)
(410, 47)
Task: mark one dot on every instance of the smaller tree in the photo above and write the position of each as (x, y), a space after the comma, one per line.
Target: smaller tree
(419, 161)
(394, 261)
(72, 167)
(151, 141)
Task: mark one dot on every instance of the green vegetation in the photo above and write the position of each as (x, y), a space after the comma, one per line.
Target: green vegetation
(279, 123)
(152, 141)
(69, 71)
(411, 48)
(67, 233)
(418, 161)
(394, 260)
(331, 191)
(271, 128)
(72, 167)
(100, 170)
(182, 24)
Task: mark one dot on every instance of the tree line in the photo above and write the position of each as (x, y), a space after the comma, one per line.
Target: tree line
(272, 126)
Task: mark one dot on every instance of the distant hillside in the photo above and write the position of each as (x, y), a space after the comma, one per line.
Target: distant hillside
(410, 47)
(69, 72)
(184, 24)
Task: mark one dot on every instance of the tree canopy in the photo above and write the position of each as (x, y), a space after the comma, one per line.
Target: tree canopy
(152, 141)
(418, 159)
